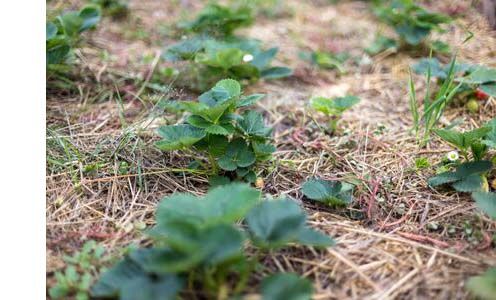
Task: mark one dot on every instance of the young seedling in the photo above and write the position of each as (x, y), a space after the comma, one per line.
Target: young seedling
(198, 240)
(333, 108)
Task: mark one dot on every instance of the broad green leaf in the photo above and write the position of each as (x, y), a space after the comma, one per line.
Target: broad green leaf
(480, 76)
(249, 100)
(273, 224)
(471, 183)
(451, 136)
(127, 280)
(198, 121)
(238, 154)
(328, 191)
(221, 205)
(51, 30)
(91, 16)
(424, 64)
(286, 286)
(232, 86)
(310, 237)
(412, 35)
(333, 107)
(276, 72)
(217, 130)
(178, 137)
(263, 59)
(443, 178)
(165, 260)
(483, 286)
(57, 54)
(71, 23)
(380, 44)
(209, 113)
(490, 138)
(489, 88)
(486, 202)
(252, 124)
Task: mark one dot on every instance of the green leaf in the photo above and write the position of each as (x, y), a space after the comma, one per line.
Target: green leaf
(127, 281)
(466, 178)
(490, 138)
(263, 59)
(71, 22)
(380, 44)
(218, 130)
(51, 30)
(178, 137)
(249, 100)
(480, 76)
(333, 107)
(486, 202)
(273, 224)
(58, 54)
(286, 286)
(238, 154)
(165, 260)
(328, 191)
(489, 88)
(252, 124)
(91, 16)
(471, 183)
(424, 64)
(221, 205)
(310, 237)
(231, 86)
(276, 72)
(483, 286)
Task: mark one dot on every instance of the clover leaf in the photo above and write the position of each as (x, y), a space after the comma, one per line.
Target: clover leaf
(466, 177)
(178, 136)
(238, 154)
(328, 191)
(273, 224)
(286, 286)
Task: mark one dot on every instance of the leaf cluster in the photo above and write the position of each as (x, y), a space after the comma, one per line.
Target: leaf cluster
(220, 125)
(78, 276)
(470, 175)
(64, 32)
(228, 58)
(218, 20)
(471, 76)
(200, 240)
(411, 22)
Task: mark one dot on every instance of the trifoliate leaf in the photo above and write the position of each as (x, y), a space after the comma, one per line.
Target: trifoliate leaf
(178, 136)
(286, 286)
(328, 191)
(486, 202)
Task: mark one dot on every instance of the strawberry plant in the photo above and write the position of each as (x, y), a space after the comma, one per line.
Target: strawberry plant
(218, 20)
(211, 59)
(411, 22)
(219, 124)
(333, 108)
(326, 60)
(198, 241)
(64, 33)
(470, 176)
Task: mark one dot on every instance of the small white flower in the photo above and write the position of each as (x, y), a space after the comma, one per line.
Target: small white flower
(452, 156)
(247, 57)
